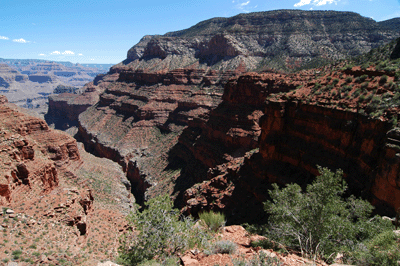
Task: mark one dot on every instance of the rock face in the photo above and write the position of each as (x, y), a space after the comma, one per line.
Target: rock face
(171, 81)
(214, 50)
(299, 129)
(288, 38)
(297, 137)
(48, 183)
(31, 154)
(232, 128)
(212, 152)
(139, 117)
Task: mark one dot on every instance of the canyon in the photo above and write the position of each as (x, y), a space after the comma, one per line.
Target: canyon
(211, 115)
(28, 83)
(180, 111)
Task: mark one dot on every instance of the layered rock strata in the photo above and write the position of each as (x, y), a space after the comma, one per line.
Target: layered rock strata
(211, 51)
(298, 136)
(173, 81)
(139, 116)
(283, 39)
(49, 186)
(31, 153)
(298, 130)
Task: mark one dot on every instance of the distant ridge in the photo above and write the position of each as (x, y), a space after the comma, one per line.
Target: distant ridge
(282, 39)
(25, 62)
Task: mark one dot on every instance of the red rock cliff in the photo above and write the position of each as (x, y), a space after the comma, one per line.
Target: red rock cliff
(298, 131)
(301, 136)
(141, 114)
(31, 154)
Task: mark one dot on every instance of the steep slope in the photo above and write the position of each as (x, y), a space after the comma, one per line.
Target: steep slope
(282, 39)
(136, 122)
(169, 81)
(338, 117)
(393, 23)
(54, 196)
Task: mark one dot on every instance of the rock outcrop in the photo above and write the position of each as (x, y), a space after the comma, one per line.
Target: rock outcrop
(170, 81)
(49, 186)
(139, 117)
(281, 39)
(325, 118)
(31, 153)
(213, 50)
(297, 137)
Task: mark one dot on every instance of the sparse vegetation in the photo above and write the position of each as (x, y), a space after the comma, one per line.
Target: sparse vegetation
(16, 254)
(213, 220)
(224, 247)
(383, 79)
(349, 79)
(261, 259)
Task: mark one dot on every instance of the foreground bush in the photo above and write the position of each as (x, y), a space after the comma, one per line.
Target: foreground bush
(382, 249)
(213, 220)
(319, 221)
(159, 230)
(224, 247)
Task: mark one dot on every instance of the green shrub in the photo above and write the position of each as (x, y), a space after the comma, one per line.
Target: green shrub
(383, 79)
(16, 254)
(369, 97)
(363, 78)
(376, 100)
(381, 250)
(224, 247)
(335, 81)
(317, 86)
(356, 93)
(365, 65)
(159, 230)
(213, 220)
(260, 259)
(36, 254)
(347, 88)
(397, 75)
(347, 67)
(364, 86)
(318, 221)
(349, 79)
(269, 244)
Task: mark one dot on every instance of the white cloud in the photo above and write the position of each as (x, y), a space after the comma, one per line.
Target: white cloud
(55, 52)
(20, 40)
(302, 3)
(245, 4)
(66, 52)
(41, 54)
(80, 54)
(324, 2)
(4, 38)
(315, 2)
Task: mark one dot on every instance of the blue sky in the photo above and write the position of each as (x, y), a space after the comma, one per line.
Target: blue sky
(102, 31)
